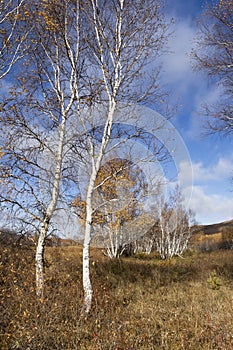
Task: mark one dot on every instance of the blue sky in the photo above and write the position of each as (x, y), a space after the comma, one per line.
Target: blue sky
(212, 157)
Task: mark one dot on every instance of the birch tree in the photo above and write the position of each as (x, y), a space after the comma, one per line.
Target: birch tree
(89, 58)
(13, 34)
(34, 123)
(214, 56)
(123, 37)
(172, 230)
(120, 188)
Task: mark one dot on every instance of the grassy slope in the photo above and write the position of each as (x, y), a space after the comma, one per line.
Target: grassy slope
(139, 303)
(217, 228)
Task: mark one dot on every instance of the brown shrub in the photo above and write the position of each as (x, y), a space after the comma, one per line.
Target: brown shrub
(138, 303)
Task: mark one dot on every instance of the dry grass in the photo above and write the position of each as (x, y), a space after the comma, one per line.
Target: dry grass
(139, 303)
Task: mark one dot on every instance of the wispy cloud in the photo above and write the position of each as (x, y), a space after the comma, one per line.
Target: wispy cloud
(210, 208)
(190, 89)
(211, 198)
(219, 171)
(212, 162)
(177, 62)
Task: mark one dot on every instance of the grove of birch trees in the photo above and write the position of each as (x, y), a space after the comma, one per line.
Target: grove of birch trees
(65, 60)
(74, 75)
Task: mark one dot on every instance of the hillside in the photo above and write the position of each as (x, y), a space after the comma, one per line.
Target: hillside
(212, 237)
(215, 228)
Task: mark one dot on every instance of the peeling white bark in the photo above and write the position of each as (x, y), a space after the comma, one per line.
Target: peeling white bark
(65, 102)
(49, 213)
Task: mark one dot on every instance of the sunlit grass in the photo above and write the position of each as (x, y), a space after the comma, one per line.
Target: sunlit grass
(139, 303)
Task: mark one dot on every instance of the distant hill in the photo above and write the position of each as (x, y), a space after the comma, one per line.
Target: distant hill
(212, 237)
(214, 228)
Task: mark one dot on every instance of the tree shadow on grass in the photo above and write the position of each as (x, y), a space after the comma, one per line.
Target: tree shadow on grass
(158, 273)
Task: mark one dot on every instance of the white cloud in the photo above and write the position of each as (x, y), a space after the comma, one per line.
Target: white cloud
(177, 64)
(216, 172)
(190, 88)
(210, 209)
(224, 167)
(210, 198)
(204, 95)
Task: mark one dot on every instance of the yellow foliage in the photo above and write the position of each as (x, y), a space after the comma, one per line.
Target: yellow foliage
(119, 180)
(80, 207)
(115, 180)
(51, 12)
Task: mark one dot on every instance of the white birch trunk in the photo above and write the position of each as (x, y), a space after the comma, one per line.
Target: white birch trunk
(40, 262)
(48, 215)
(65, 105)
(87, 287)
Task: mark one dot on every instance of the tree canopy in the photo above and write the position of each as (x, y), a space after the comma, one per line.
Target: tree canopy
(214, 55)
